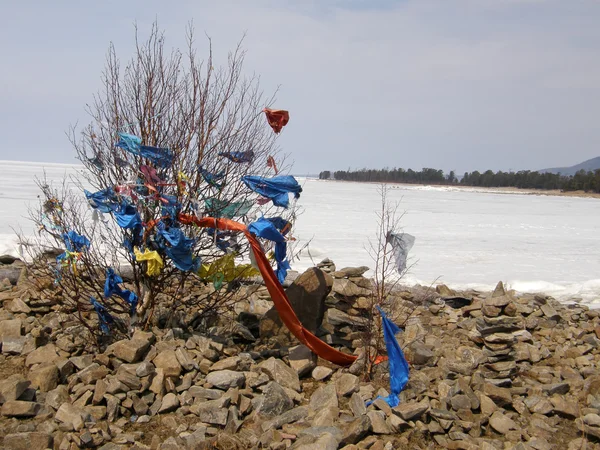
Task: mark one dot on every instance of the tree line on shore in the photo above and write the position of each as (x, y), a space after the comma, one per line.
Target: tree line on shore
(524, 179)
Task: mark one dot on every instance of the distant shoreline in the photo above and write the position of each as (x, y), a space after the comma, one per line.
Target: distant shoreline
(493, 190)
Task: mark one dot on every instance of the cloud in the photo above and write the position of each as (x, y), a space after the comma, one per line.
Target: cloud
(470, 84)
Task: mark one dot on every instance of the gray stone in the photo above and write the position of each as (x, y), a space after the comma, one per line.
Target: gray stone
(19, 408)
(293, 415)
(28, 441)
(538, 405)
(144, 369)
(168, 362)
(81, 362)
(336, 317)
(347, 384)
(281, 373)
(302, 360)
(324, 397)
(420, 354)
(185, 360)
(460, 401)
(230, 363)
(57, 396)
(307, 296)
(325, 417)
(10, 328)
(13, 345)
(13, 387)
(500, 396)
(410, 410)
(565, 407)
(275, 401)
(357, 405)
(42, 355)
(502, 423)
(325, 441)
(225, 379)
(213, 412)
(203, 393)
(321, 373)
(130, 351)
(378, 423)
(348, 272)
(44, 378)
(71, 416)
(355, 430)
(170, 402)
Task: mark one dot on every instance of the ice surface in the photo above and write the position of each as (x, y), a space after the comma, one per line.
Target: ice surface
(464, 238)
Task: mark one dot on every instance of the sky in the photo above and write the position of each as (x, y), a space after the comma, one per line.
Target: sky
(451, 84)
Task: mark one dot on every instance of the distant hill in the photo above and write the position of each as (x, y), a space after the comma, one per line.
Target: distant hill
(589, 165)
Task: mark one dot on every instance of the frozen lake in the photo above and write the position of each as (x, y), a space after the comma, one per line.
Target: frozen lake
(463, 237)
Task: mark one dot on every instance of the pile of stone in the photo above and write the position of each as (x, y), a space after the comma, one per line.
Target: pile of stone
(487, 372)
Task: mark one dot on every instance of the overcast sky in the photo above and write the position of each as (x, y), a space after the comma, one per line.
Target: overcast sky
(450, 84)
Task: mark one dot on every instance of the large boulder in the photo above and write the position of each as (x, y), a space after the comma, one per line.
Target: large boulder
(307, 296)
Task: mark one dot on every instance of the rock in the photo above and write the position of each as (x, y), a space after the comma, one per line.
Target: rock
(12, 388)
(93, 373)
(550, 312)
(275, 401)
(44, 378)
(307, 296)
(44, 354)
(357, 405)
(293, 415)
(58, 396)
(556, 388)
(444, 291)
(355, 430)
(225, 379)
(280, 372)
(302, 359)
(460, 401)
(347, 384)
(185, 360)
(131, 351)
(71, 416)
(336, 317)
(325, 417)
(213, 412)
(410, 410)
(205, 394)
(321, 373)
(230, 363)
(500, 396)
(168, 362)
(170, 402)
(378, 423)
(18, 306)
(28, 441)
(499, 297)
(419, 354)
(325, 441)
(10, 328)
(324, 397)
(346, 288)
(12, 345)
(538, 405)
(501, 423)
(564, 407)
(347, 272)
(19, 408)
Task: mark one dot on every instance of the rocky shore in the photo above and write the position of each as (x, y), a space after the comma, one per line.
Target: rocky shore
(488, 371)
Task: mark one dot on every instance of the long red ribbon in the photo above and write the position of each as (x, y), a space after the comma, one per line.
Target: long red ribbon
(280, 300)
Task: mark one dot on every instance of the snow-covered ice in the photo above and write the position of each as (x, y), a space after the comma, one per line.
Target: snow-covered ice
(464, 238)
